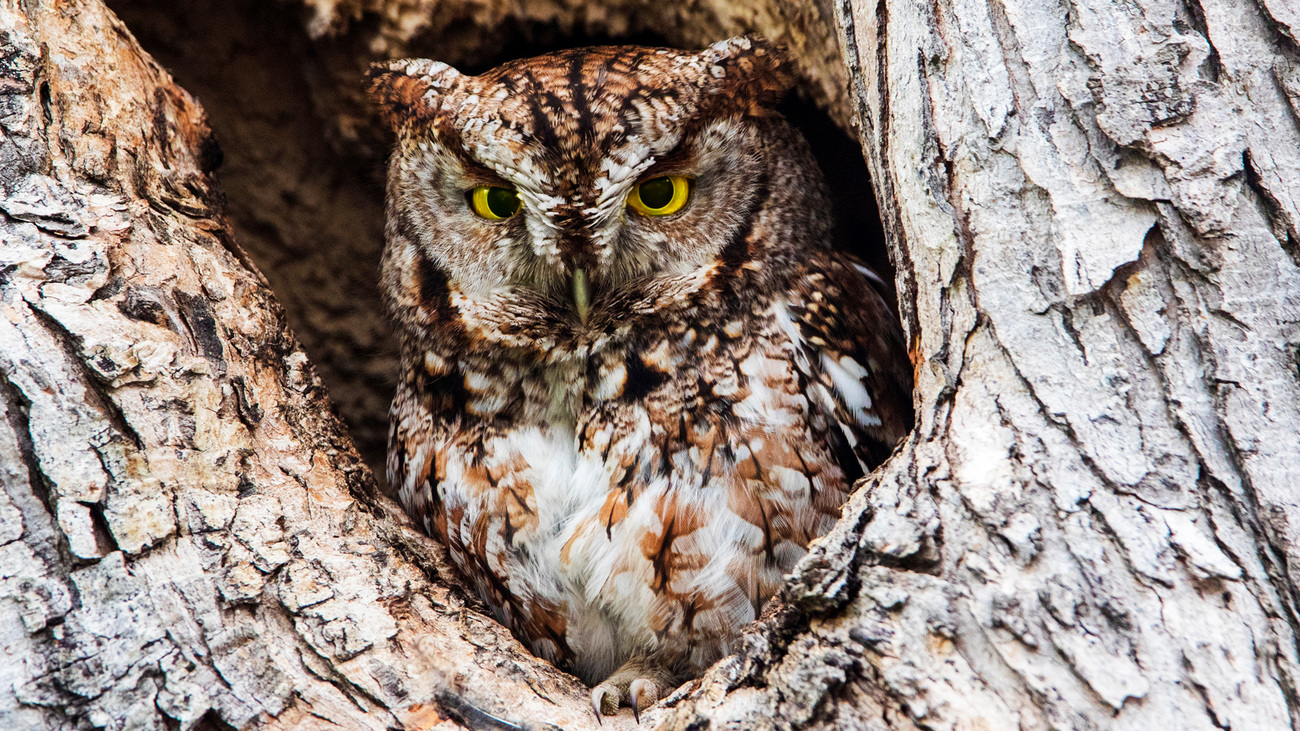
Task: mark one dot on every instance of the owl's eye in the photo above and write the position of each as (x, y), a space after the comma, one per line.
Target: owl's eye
(661, 196)
(493, 202)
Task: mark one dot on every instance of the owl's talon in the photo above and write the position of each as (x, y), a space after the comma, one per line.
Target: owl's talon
(604, 701)
(643, 694)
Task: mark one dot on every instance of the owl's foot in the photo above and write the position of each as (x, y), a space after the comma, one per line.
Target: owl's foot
(635, 684)
(640, 693)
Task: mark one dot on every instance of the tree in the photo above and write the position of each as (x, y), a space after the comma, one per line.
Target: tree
(1092, 210)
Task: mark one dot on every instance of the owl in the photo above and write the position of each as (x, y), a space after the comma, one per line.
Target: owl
(636, 380)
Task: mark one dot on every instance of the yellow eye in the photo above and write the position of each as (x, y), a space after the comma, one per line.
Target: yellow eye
(661, 196)
(493, 202)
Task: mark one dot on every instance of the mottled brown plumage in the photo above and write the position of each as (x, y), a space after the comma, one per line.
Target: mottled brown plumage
(626, 486)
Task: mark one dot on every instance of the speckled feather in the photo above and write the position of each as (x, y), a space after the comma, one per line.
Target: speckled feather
(635, 487)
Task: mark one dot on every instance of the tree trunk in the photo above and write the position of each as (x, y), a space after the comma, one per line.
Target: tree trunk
(189, 537)
(1092, 209)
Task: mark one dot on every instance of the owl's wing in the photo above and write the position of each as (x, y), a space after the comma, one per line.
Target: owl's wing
(471, 492)
(848, 354)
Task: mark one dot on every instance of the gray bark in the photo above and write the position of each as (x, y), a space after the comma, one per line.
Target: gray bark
(189, 538)
(1092, 209)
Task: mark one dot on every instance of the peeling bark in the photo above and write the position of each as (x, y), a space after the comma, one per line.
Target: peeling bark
(1092, 208)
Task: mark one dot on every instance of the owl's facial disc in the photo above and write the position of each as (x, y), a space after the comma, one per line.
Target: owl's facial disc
(592, 239)
(587, 186)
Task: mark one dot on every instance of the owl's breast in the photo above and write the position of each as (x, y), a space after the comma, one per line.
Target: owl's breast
(512, 507)
(638, 499)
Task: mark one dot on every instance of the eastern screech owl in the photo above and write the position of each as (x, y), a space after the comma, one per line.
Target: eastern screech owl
(636, 381)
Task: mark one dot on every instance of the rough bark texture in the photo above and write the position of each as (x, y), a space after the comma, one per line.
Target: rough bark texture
(1093, 207)
(188, 536)
(1093, 210)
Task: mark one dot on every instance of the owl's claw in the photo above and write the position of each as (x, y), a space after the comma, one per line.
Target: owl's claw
(604, 701)
(629, 685)
(643, 694)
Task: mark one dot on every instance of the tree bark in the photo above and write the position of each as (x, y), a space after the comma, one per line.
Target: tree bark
(1092, 208)
(189, 538)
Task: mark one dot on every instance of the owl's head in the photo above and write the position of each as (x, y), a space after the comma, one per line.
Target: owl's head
(572, 193)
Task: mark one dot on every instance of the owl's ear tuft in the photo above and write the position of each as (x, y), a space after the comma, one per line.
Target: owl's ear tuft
(747, 70)
(410, 89)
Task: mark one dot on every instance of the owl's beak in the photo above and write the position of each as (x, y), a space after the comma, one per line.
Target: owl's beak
(581, 294)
